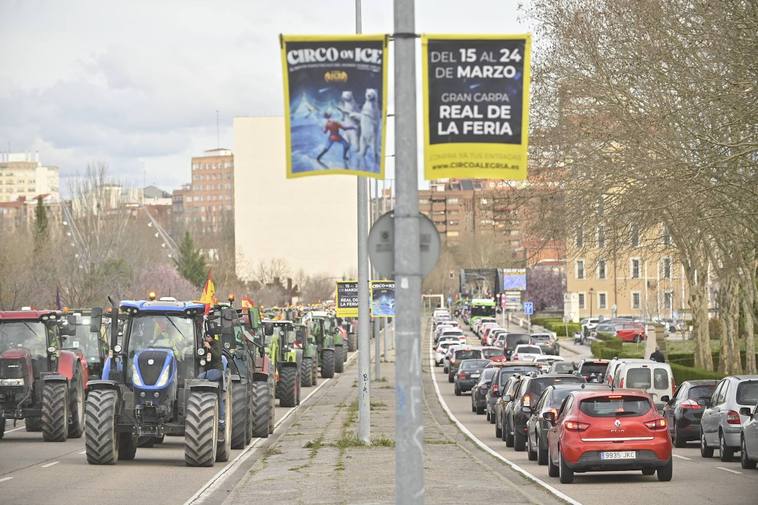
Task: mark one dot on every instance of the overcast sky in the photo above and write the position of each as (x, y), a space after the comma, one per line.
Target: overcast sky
(137, 84)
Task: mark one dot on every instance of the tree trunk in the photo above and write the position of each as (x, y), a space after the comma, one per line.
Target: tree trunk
(698, 303)
(748, 308)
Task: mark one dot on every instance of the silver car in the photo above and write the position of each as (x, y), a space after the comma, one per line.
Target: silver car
(731, 405)
(749, 448)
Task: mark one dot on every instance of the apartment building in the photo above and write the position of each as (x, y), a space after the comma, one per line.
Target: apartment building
(209, 203)
(23, 176)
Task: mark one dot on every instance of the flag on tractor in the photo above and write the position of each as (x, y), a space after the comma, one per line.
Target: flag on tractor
(208, 296)
(247, 302)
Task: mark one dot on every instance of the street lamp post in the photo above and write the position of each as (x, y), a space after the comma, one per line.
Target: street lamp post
(592, 290)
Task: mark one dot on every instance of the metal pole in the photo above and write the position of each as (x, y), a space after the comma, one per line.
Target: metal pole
(376, 320)
(409, 425)
(364, 349)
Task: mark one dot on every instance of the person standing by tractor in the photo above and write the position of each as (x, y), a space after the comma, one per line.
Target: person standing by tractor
(214, 367)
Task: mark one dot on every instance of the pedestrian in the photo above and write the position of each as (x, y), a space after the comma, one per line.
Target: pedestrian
(657, 355)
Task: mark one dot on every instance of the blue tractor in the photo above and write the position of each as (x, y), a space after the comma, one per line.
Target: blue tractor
(149, 386)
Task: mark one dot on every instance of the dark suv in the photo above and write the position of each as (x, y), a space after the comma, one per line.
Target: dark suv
(468, 374)
(505, 370)
(520, 408)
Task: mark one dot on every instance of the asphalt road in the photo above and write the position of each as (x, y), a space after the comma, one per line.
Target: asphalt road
(696, 480)
(34, 472)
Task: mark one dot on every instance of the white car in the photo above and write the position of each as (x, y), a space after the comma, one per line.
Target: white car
(454, 332)
(440, 312)
(546, 362)
(526, 352)
(439, 353)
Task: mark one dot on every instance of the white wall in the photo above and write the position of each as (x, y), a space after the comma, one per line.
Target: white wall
(310, 222)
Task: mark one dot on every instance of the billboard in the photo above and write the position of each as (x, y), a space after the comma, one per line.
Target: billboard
(335, 104)
(346, 303)
(383, 298)
(476, 106)
(513, 279)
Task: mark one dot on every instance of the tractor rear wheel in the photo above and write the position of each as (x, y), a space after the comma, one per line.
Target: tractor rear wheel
(201, 428)
(339, 358)
(224, 449)
(327, 363)
(249, 424)
(261, 409)
(100, 434)
(314, 371)
(288, 386)
(33, 424)
(306, 376)
(54, 411)
(127, 447)
(76, 393)
(2, 427)
(240, 412)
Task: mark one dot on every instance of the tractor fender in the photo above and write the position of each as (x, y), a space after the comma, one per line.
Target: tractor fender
(54, 377)
(100, 384)
(67, 363)
(202, 385)
(260, 377)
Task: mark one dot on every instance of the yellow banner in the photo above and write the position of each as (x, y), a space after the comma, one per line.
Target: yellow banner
(476, 106)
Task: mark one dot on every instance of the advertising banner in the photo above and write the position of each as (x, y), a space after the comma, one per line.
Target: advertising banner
(476, 106)
(514, 279)
(383, 298)
(347, 299)
(335, 104)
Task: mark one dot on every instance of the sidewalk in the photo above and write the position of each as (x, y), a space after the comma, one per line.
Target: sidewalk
(318, 460)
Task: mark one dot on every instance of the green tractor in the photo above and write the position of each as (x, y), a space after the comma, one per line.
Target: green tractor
(323, 328)
(286, 358)
(309, 364)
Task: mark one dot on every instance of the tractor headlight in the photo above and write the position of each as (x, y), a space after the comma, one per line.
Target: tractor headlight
(202, 362)
(200, 351)
(163, 379)
(11, 382)
(138, 380)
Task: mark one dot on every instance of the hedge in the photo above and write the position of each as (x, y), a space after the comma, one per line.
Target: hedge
(683, 373)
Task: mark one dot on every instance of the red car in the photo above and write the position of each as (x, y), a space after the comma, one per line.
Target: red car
(631, 332)
(605, 430)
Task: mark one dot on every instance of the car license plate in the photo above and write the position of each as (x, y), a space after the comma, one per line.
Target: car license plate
(474, 375)
(618, 455)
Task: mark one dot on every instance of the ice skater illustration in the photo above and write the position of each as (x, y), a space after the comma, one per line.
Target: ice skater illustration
(332, 128)
(370, 124)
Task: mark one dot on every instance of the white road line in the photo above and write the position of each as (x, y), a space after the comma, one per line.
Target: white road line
(22, 427)
(83, 452)
(485, 447)
(735, 472)
(682, 457)
(215, 482)
(48, 465)
(5, 479)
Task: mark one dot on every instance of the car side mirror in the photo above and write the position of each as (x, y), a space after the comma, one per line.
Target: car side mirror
(96, 320)
(745, 411)
(549, 416)
(507, 398)
(526, 409)
(665, 399)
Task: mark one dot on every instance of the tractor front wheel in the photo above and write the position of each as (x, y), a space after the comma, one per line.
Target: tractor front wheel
(54, 411)
(261, 409)
(201, 428)
(100, 434)
(240, 419)
(224, 449)
(352, 342)
(339, 358)
(327, 363)
(288, 386)
(76, 393)
(306, 376)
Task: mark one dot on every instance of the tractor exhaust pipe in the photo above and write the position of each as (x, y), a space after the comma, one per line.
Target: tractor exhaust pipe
(114, 321)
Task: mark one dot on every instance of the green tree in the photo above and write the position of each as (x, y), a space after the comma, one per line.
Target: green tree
(190, 263)
(40, 223)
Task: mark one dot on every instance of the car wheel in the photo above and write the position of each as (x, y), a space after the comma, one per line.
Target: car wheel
(666, 472)
(507, 435)
(450, 377)
(530, 452)
(726, 453)
(498, 429)
(564, 472)
(678, 441)
(541, 454)
(552, 470)
(487, 414)
(745, 460)
(473, 407)
(705, 451)
(479, 410)
(519, 440)
(457, 390)
(648, 471)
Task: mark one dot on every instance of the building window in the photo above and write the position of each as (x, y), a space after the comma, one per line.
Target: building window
(601, 269)
(635, 236)
(581, 300)
(602, 300)
(600, 237)
(666, 268)
(580, 269)
(579, 242)
(635, 268)
(666, 236)
(636, 299)
(668, 300)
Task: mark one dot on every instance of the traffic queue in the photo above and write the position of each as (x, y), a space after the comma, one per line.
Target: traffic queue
(594, 415)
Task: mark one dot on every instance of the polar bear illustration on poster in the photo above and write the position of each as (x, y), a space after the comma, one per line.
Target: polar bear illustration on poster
(350, 110)
(370, 128)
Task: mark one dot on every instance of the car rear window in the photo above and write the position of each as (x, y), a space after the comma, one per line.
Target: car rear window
(596, 368)
(514, 339)
(488, 353)
(451, 333)
(468, 354)
(615, 405)
(537, 386)
(747, 393)
(506, 373)
(445, 345)
(638, 378)
(660, 378)
(701, 392)
(557, 397)
(529, 349)
(473, 364)
(562, 367)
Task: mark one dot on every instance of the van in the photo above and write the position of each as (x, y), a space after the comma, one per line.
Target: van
(613, 365)
(654, 378)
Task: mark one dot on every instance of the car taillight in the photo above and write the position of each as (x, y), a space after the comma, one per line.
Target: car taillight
(462, 375)
(689, 404)
(576, 426)
(657, 424)
(514, 357)
(733, 417)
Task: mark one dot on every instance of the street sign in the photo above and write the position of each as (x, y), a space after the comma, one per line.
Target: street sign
(381, 244)
(528, 308)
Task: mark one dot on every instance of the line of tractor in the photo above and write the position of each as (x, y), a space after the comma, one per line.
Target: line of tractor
(140, 370)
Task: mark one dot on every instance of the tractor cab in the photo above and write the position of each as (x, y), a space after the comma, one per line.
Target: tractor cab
(323, 327)
(84, 331)
(286, 357)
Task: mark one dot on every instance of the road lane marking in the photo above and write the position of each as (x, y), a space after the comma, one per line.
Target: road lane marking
(487, 448)
(5, 479)
(215, 482)
(48, 465)
(22, 427)
(735, 472)
(682, 457)
(83, 452)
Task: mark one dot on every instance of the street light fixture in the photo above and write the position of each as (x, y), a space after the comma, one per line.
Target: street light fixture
(592, 290)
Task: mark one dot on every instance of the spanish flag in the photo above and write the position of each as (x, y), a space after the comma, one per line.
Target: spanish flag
(247, 303)
(208, 296)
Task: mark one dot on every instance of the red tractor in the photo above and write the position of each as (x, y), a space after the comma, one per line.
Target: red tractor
(41, 380)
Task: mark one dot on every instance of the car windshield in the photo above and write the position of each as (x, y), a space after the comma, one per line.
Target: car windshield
(488, 374)
(615, 405)
(596, 368)
(30, 335)
(537, 386)
(174, 332)
(638, 378)
(473, 364)
(468, 354)
(489, 353)
(540, 338)
(528, 349)
(700, 393)
(747, 393)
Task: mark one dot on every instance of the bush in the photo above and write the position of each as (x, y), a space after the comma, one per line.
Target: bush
(683, 373)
